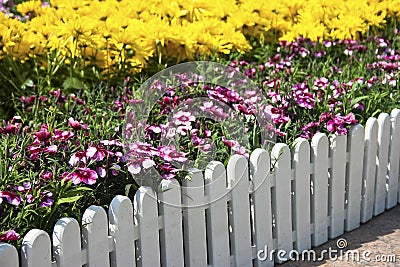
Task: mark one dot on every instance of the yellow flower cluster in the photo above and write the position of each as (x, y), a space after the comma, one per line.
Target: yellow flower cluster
(115, 33)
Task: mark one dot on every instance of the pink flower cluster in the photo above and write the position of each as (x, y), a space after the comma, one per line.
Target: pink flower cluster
(9, 235)
(26, 192)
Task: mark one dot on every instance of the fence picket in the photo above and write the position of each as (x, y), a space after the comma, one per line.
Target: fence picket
(301, 205)
(194, 220)
(319, 197)
(217, 216)
(354, 174)
(171, 236)
(260, 170)
(382, 168)
(336, 187)
(8, 255)
(369, 169)
(282, 202)
(238, 182)
(145, 204)
(221, 221)
(35, 250)
(121, 226)
(67, 243)
(95, 236)
(394, 160)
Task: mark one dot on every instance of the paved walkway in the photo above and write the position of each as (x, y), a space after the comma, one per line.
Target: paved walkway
(378, 240)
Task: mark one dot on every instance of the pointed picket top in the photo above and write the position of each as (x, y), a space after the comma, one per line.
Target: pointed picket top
(369, 169)
(36, 250)
(302, 183)
(354, 176)
(382, 168)
(121, 227)
(8, 255)
(171, 236)
(95, 236)
(394, 161)
(319, 197)
(145, 204)
(67, 243)
(238, 182)
(260, 178)
(217, 216)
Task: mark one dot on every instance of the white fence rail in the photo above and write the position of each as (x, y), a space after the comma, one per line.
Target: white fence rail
(315, 193)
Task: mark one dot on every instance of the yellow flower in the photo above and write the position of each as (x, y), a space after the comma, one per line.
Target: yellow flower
(31, 8)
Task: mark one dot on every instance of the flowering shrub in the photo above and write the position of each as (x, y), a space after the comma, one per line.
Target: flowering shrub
(52, 164)
(62, 129)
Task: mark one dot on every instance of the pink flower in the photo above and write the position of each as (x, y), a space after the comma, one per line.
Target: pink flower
(84, 175)
(60, 97)
(10, 235)
(142, 149)
(47, 175)
(359, 106)
(136, 165)
(11, 197)
(169, 153)
(350, 119)
(321, 83)
(241, 150)
(337, 124)
(229, 143)
(213, 110)
(76, 125)
(43, 135)
(28, 100)
(154, 128)
(235, 146)
(245, 110)
(183, 130)
(62, 135)
(101, 171)
(26, 186)
(79, 156)
(111, 143)
(115, 168)
(309, 130)
(96, 153)
(183, 118)
(47, 200)
(11, 128)
(34, 151)
(278, 116)
(50, 149)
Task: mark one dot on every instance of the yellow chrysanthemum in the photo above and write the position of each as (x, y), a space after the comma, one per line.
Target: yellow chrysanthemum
(31, 8)
(112, 32)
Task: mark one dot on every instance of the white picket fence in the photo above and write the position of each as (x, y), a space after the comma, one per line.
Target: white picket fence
(315, 193)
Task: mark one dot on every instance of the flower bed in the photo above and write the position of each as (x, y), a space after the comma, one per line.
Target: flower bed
(65, 95)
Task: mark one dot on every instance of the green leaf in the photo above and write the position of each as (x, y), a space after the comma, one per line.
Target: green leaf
(128, 189)
(68, 199)
(76, 191)
(73, 83)
(358, 99)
